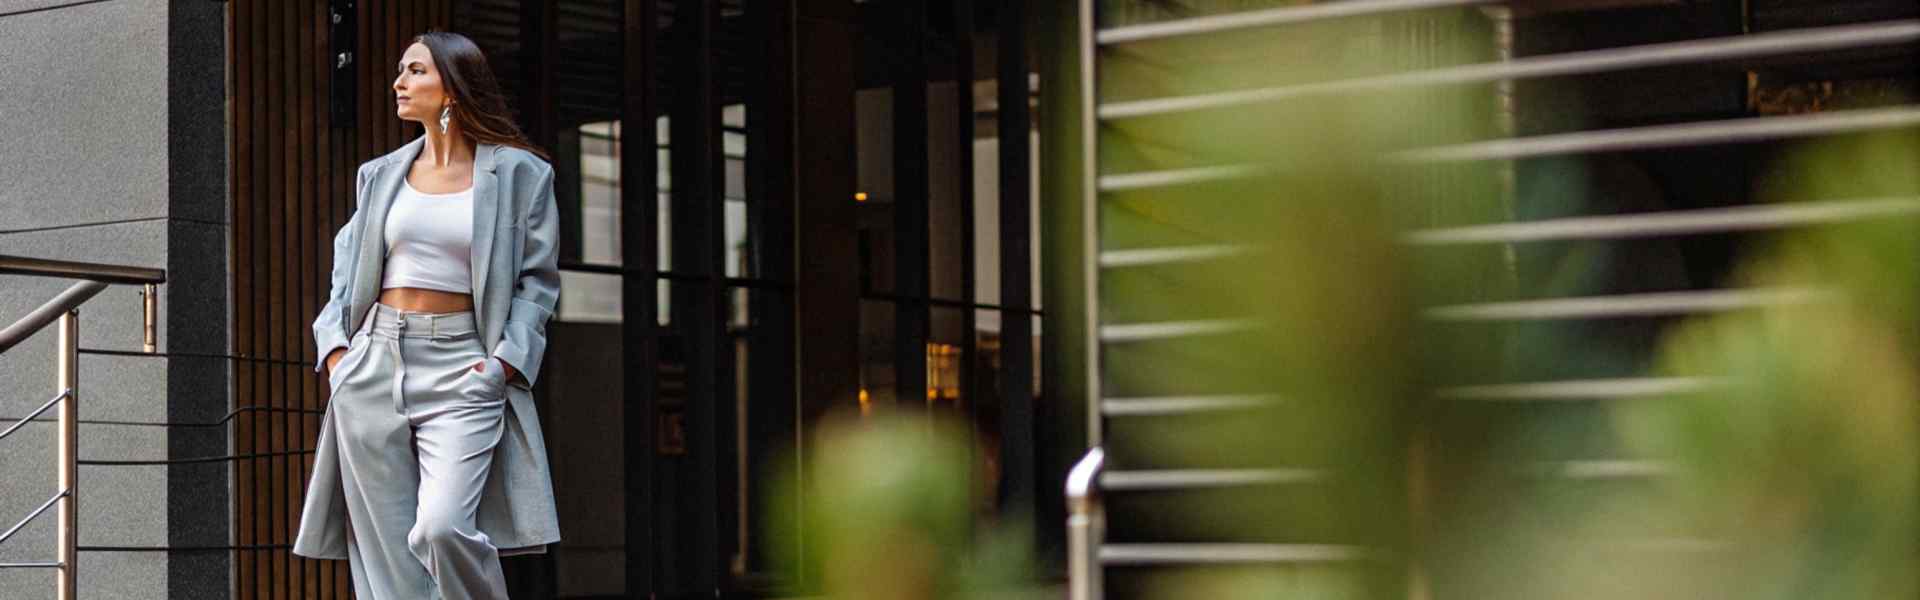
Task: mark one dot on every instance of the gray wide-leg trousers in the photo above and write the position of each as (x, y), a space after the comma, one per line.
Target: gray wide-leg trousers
(416, 429)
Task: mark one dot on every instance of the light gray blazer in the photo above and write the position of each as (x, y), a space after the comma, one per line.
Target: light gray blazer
(516, 284)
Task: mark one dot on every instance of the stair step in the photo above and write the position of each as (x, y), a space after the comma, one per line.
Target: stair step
(1175, 405)
(1145, 332)
(1192, 554)
(1584, 389)
(1174, 479)
(1147, 257)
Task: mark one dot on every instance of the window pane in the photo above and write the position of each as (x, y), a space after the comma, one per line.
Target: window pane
(589, 297)
(948, 210)
(599, 147)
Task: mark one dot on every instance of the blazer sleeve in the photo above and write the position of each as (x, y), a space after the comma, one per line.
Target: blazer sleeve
(536, 287)
(329, 328)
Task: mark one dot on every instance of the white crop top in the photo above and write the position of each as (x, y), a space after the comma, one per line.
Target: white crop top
(429, 241)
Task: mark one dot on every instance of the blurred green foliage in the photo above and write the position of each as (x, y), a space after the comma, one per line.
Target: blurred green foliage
(884, 514)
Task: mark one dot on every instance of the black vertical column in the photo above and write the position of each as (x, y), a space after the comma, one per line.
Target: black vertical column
(771, 420)
(539, 52)
(198, 261)
(533, 575)
(1065, 397)
(910, 191)
(826, 293)
(639, 252)
(963, 157)
(1016, 259)
(690, 557)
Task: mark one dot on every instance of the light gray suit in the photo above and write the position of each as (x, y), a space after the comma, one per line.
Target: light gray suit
(516, 284)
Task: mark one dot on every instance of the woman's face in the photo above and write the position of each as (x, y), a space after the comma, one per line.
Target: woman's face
(418, 93)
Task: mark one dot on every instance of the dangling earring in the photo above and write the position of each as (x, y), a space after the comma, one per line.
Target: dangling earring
(446, 113)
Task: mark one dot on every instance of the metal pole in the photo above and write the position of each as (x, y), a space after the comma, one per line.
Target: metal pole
(1086, 528)
(1090, 211)
(150, 298)
(69, 512)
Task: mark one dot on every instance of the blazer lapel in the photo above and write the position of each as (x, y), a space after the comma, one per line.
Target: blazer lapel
(486, 204)
(373, 240)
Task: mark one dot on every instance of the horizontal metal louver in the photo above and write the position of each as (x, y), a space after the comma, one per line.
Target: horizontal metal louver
(1732, 75)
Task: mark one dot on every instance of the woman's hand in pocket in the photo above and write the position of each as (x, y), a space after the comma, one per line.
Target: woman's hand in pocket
(506, 370)
(333, 359)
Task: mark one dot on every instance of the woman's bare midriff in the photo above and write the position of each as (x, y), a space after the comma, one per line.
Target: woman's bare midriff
(425, 300)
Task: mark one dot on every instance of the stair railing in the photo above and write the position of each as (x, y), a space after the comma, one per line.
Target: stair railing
(65, 308)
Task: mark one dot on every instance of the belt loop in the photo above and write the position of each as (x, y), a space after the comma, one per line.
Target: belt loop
(399, 374)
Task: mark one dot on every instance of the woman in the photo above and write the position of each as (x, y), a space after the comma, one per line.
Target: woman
(430, 464)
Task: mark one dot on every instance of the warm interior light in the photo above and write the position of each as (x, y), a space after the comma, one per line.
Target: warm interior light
(943, 372)
(859, 196)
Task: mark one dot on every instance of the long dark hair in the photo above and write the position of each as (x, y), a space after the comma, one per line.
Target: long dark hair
(479, 104)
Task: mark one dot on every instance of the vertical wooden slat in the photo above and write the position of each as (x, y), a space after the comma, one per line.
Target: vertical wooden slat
(353, 150)
(264, 121)
(379, 22)
(241, 166)
(339, 204)
(319, 222)
(286, 250)
(382, 39)
(363, 119)
(293, 249)
(391, 49)
(302, 386)
(274, 249)
(379, 66)
(374, 73)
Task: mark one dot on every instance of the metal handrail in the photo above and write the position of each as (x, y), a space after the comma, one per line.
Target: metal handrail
(65, 269)
(1086, 527)
(94, 278)
(65, 308)
(68, 300)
